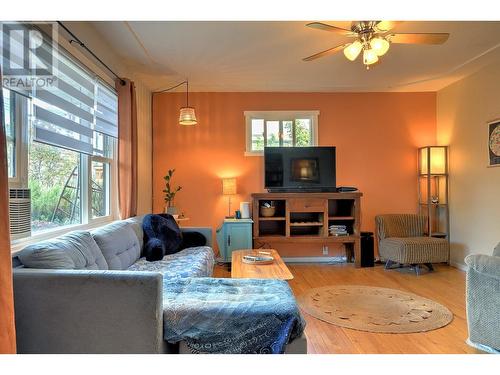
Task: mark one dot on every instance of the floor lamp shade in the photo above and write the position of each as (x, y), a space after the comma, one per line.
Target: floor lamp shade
(433, 160)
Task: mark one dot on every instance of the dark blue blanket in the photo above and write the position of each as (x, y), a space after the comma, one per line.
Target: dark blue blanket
(236, 316)
(162, 236)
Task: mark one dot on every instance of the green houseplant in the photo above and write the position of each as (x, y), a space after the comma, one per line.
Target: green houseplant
(170, 193)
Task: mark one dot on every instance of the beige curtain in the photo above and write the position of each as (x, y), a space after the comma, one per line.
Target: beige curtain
(127, 149)
(7, 331)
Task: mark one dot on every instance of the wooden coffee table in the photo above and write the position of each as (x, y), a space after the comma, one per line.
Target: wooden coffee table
(275, 270)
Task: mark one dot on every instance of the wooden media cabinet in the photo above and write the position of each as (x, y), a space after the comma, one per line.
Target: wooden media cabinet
(300, 224)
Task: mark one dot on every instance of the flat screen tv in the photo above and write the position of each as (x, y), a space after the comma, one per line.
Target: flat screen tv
(299, 169)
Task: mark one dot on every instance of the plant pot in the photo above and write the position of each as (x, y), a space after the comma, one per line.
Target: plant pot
(171, 210)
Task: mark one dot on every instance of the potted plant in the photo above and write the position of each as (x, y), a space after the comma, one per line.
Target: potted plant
(170, 193)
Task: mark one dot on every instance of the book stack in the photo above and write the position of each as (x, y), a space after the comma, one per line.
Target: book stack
(338, 230)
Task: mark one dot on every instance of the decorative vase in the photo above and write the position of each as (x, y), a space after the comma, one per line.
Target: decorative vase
(171, 210)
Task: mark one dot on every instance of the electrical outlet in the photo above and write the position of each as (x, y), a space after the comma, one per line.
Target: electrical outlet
(325, 250)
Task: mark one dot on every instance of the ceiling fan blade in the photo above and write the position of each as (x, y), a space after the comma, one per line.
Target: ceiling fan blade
(325, 53)
(419, 38)
(330, 28)
(384, 26)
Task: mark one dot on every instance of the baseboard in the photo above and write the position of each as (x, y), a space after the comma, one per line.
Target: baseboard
(460, 266)
(315, 260)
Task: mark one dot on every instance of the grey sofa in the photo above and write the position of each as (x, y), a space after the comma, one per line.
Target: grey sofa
(483, 300)
(91, 292)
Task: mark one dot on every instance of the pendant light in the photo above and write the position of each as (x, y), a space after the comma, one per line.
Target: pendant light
(187, 116)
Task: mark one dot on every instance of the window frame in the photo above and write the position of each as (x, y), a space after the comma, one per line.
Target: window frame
(24, 125)
(278, 116)
(113, 185)
(21, 141)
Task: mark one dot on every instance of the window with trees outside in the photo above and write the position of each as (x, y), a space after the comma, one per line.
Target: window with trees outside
(61, 150)
(280, 129)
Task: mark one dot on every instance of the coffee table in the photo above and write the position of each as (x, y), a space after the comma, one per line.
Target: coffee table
(275, 270)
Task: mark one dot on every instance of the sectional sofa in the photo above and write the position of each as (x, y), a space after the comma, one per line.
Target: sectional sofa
(483, 300)
(92, 292)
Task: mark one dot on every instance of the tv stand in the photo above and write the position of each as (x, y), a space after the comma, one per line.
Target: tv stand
(299, 227)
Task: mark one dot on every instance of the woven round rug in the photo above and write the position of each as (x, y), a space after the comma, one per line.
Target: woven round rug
(374, 309)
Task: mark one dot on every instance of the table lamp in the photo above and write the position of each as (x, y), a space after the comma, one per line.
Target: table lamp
(229, 189)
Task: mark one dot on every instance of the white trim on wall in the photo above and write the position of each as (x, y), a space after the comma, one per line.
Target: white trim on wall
(332, 260)
(18, 245)
(460, 266)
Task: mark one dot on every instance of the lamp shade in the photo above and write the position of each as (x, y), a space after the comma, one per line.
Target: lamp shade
(229, 186)
(352, 50)
(187, 116)
(379, 45)
(369, 56)
(433, 160)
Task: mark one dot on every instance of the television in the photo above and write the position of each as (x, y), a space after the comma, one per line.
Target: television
(300, 169)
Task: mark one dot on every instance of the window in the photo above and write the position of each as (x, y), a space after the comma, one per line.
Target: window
(54, 182)
(61, 146)
(10, 131)
(280, 129)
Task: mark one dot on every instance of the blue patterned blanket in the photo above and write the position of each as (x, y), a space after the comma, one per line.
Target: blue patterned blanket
(236, 316)
(190, 262)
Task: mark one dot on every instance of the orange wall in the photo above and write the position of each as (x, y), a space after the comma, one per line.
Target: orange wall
(376, 135)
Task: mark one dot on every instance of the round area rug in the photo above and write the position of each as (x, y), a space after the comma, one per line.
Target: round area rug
(374, 309)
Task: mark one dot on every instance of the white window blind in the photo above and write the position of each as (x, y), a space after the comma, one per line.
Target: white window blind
(64, 114)
(69, 113)
(106, 113)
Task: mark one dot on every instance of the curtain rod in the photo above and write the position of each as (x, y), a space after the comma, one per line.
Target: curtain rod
(75, 39)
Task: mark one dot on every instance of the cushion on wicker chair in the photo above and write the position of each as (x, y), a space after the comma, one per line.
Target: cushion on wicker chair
(414, 250)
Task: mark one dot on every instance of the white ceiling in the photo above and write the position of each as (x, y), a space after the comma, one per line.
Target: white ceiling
(267, 56)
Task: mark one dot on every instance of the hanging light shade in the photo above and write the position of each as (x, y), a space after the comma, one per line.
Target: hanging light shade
(187, 116)
(379, 45)
(352, 50)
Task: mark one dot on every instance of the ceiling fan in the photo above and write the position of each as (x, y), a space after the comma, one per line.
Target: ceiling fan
(373, 38)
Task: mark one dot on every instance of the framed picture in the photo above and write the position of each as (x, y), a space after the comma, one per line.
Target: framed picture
(494, 143)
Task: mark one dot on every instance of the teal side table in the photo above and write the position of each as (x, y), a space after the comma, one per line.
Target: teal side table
(233, 234)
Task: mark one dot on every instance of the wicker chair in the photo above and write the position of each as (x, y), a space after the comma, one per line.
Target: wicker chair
(401, 240)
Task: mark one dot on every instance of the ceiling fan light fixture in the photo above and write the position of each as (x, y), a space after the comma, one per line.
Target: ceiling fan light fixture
(353, 50)
(369, 56)
(379, 45)
(373, 38)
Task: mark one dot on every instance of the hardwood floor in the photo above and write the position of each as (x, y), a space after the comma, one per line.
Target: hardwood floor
(446, 285)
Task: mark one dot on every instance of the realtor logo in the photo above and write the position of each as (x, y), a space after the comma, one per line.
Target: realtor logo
(29, 55)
